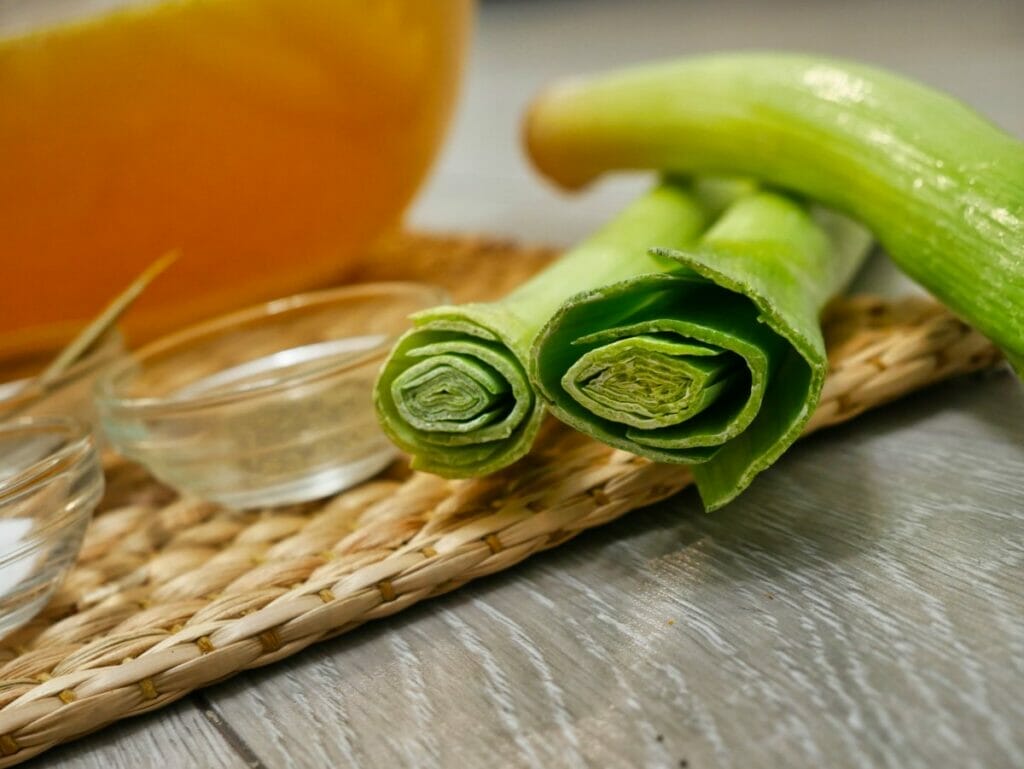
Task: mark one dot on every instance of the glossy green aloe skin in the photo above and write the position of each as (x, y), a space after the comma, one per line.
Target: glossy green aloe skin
(718, 359)
(455, 393)
(939, 186)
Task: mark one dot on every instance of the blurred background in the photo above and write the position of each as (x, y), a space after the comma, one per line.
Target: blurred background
(271, 140)
(973, 50)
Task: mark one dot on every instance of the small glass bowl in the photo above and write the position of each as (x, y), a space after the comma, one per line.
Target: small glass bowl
(50, 482)
(71, 394)
(268, 406)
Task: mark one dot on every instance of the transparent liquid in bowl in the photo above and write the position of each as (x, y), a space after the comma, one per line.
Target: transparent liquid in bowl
(305, 442)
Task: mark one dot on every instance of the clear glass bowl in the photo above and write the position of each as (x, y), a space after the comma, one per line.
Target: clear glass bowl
(71, 394)
(50, 482)
(268, 406)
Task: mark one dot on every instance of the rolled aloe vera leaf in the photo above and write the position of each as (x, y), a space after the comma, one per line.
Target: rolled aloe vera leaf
(454, 392)
(717, 361)
(941, 188)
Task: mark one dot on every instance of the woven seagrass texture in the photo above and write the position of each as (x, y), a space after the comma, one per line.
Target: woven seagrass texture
(172, 593)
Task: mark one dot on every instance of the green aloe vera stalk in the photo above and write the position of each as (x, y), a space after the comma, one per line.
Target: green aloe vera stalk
(718, 359)
(455, 393)
(941, 188)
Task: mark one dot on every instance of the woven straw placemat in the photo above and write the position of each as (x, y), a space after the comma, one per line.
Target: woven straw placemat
(171, 593)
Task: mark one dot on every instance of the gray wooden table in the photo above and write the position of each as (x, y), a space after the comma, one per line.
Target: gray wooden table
(861, 605)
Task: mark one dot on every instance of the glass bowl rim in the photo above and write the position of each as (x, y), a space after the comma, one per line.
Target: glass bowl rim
(76, 448)
(106, 386)
(106, 350)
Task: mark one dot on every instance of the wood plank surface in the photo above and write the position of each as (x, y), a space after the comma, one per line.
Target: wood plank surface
(861, 605)
(180, 736)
